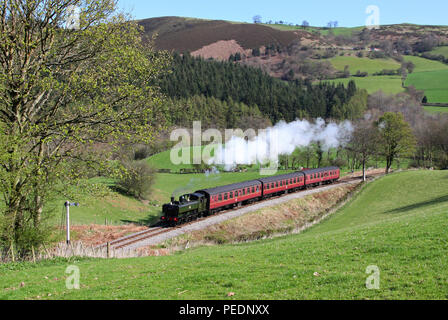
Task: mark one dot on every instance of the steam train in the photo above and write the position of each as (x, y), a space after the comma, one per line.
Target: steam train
(208, 202)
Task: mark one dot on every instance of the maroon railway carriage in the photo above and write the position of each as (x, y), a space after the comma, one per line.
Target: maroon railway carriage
(209, 201)
(232, 195)
(316, 177)
(283, 184)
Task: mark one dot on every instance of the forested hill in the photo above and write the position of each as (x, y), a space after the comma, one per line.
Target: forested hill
(276, 99)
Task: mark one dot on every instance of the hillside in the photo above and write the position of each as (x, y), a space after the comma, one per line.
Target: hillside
(189, 35)
(317, 54)
(404, 236)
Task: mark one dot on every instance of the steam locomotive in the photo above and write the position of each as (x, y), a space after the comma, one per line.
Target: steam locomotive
(208, 202)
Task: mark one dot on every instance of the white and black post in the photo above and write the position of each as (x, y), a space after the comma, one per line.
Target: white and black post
(67, 220)
(67, 205)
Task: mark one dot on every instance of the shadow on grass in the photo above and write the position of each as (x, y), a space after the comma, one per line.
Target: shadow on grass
(419, 205)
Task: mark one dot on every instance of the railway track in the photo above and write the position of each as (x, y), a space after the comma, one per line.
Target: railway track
(135, 238)
(144, 236)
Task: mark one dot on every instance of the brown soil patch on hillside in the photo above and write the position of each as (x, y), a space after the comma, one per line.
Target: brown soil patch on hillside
(220, 50)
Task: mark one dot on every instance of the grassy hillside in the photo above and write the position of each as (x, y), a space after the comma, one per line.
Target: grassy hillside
(363, 64)
(405, 236)
(435, 110)
(434, 83)
(425, 65)
(388, 84)
(441, 51)
(183, 35)
(429, 76)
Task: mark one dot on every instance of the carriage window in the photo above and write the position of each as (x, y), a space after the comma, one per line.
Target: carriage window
(226, 196)
(253, 189)
(220, 197)
(231, 195)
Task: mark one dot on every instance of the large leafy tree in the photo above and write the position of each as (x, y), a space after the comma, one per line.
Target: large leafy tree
(63, 90)
(396, 137)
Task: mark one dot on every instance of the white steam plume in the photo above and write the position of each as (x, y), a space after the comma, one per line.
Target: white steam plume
(282, 139)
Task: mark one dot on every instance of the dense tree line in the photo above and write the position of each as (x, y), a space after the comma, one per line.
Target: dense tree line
(276, 99)
(211, 111)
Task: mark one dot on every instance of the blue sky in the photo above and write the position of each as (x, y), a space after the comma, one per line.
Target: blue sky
(348, 13)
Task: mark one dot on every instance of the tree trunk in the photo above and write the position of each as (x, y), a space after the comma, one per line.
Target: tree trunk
(364, 179)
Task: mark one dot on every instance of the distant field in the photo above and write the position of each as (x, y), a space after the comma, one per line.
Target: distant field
(388, 84)
(434, 83)
(403, 236)
(322, 31)
(425, 65)
(163, 160)
(363, 64)
(441, 51)
(435, 110)
(430, 76)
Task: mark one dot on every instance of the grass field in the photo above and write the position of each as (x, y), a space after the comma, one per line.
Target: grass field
(363, 64)
(387, 84)
(430, 76)
(441, 51)
(434, 83)
(323, 31)
(436, 110)
(405, 236)
(425, 65)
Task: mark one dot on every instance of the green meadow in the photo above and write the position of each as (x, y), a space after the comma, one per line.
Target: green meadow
(397, 223)
(441, 51)
(434, 83)
(387, 84)
(436, 110)
(363, 64)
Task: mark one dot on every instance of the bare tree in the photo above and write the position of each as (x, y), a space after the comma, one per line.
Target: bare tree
(257, 18)
(364, 143)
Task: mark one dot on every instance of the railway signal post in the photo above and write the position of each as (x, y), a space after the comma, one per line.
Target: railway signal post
(67, 205)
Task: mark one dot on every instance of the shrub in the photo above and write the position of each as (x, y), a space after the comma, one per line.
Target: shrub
(142, 152)
(138, 179)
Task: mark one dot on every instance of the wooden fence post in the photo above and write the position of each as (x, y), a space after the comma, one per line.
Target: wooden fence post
(108, 250)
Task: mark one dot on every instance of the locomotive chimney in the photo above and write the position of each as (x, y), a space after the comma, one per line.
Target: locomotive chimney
(172, 200)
